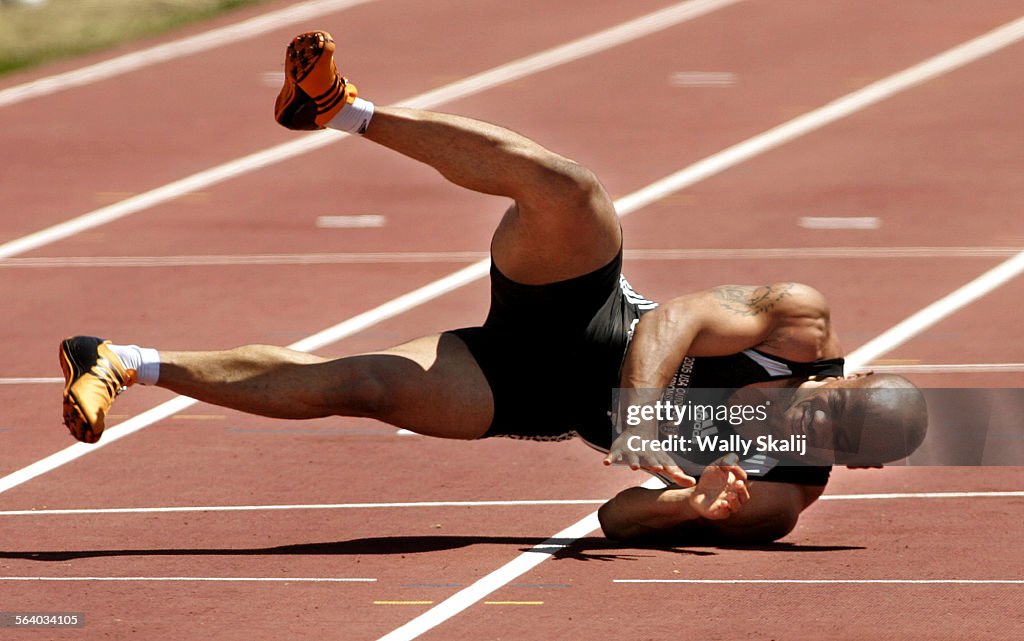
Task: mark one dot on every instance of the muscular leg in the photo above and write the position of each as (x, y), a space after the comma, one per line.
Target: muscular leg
(562, 223)
(430, 385)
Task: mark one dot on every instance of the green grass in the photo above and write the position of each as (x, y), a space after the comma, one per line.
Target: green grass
(31, 36)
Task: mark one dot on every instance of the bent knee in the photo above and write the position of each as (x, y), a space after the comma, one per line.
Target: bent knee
(583, 187)
(565, 185)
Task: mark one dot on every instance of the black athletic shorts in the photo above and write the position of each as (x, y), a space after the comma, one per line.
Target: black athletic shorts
(551, 354)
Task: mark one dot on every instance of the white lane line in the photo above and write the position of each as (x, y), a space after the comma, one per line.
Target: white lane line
(840, 222)
(918, 495)
(231, 260)
(330, 335)
(849, 104)
(858, 100)
(932, 314)
(497, 579)
(309, 506)
(358, 221)
(816, 253)
(830, 581)
(950, 368)
(702, 79)
(521, 68)
(222, 36)
(168, 192)
(460, 504)
(31, 381)
(228, 579)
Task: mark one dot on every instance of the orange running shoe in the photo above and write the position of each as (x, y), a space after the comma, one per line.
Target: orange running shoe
(313, 92)
(93, 377)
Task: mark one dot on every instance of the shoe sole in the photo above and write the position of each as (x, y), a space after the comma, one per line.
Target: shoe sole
(304, 52)
(295, 108)
(74, 417)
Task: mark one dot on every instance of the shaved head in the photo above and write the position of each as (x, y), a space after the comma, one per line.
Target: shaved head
(891, 424)
(860, 420)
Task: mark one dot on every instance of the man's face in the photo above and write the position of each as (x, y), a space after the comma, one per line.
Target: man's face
(826, 414)
(850, 420)
(813, 413)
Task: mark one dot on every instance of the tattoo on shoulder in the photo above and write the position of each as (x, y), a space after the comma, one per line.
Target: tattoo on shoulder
(745, 300)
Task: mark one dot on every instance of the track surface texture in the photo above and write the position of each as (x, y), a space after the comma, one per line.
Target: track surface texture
(346, 529)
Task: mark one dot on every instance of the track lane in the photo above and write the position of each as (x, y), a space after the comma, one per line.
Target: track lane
(851, 540)
(270, 229)
(90, 139)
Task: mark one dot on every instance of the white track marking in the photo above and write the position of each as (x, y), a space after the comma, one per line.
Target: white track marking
(497, 579)
(840, 222)
(849, 104)
(246, 259)
(152, 198)
(702, 79)
(764, 253)
(447, 504)
(932, 314)
(30, 381)
(919, 495)
(218, 579)
(577, 49)
(359, 221)
(856, 101)
(222, 36)
(816, 253)
(344, 329)
(951, 368)
(68, 454)
(550, 58)
(310, 506)
(830, 581)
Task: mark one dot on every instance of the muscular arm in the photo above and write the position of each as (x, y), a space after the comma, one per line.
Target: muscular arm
(787, 319)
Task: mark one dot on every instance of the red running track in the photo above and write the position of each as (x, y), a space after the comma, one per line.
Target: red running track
(936, 164)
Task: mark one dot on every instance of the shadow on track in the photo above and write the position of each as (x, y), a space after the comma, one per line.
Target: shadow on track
(585, 549)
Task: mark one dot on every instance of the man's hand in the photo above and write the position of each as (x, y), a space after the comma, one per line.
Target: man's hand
(722, 489)
(638, 458)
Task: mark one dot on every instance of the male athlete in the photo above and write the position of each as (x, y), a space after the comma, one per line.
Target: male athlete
(564, 329)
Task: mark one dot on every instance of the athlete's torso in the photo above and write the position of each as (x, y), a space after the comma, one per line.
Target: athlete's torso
(734, 371)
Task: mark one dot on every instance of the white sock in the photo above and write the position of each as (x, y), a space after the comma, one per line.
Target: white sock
(145, 362)
(354, 117)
